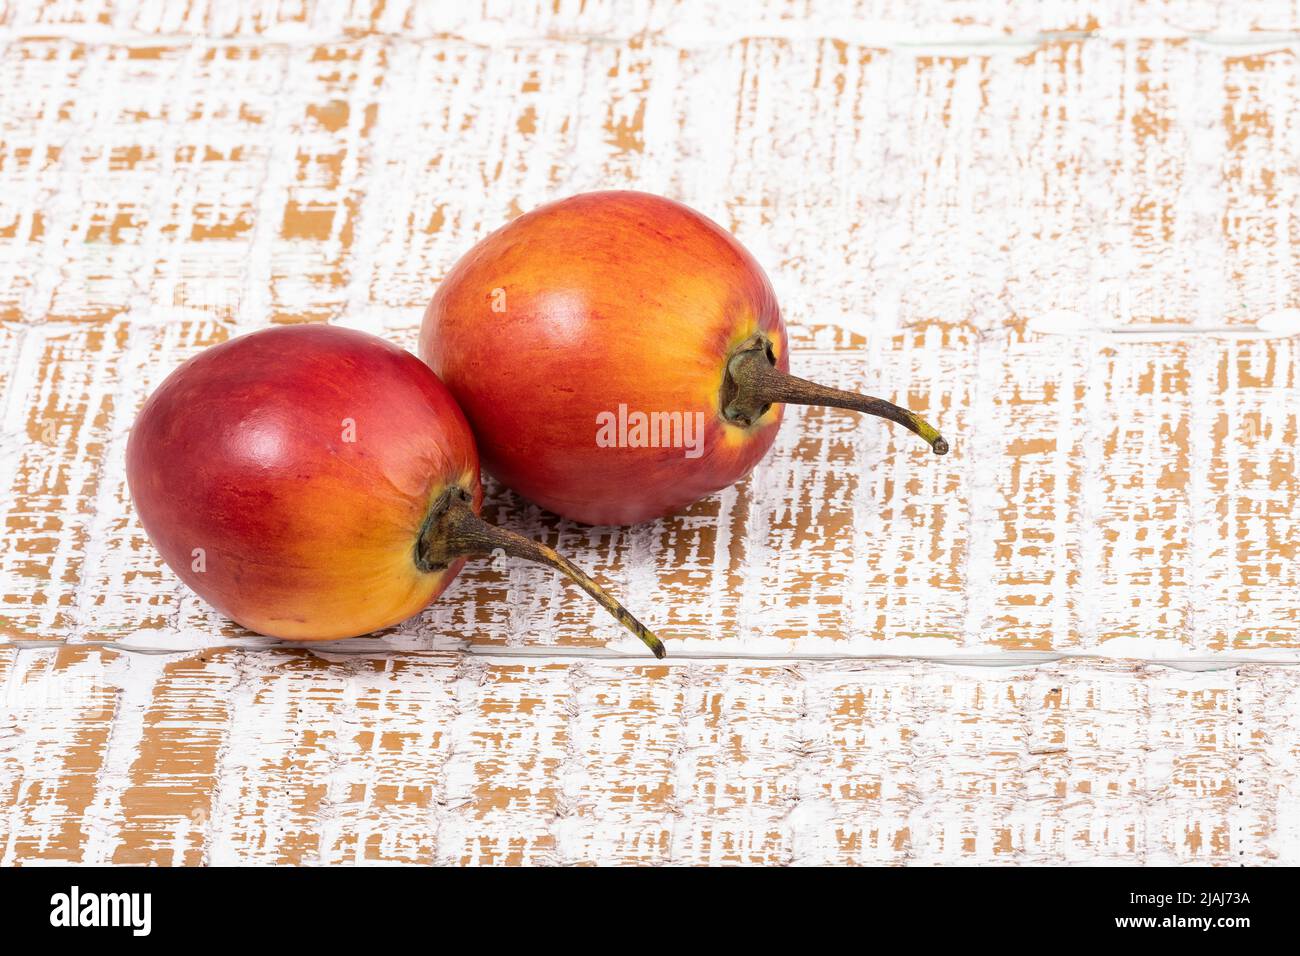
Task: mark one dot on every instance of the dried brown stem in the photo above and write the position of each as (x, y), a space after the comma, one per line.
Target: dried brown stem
(454, 531)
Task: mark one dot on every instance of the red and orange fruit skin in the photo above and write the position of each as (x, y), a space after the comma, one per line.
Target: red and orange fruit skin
(591, 302)
(241, 469)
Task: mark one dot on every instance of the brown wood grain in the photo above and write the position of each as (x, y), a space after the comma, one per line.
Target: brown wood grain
(272, 757)
(1064, 231)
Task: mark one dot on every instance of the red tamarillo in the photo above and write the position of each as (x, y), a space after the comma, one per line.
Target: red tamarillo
(314, 483)
(620, 356)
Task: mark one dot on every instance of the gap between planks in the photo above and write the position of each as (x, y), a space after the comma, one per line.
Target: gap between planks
(546, 655)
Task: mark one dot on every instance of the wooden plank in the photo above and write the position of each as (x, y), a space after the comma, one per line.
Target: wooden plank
(71, 541)
(1112, 495)
(58, 410)
(884, 20)
(1128, 496)
(220, 178)
(1144, 170)
(1193, 497)
(1123, 181)
(1148, 184)
(343, 764)
(9, 730)
(166, 784)
(279, 757)
(951, 201)
(59, 712)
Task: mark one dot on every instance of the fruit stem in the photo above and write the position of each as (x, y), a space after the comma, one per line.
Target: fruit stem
(753, 383)
(454, 531)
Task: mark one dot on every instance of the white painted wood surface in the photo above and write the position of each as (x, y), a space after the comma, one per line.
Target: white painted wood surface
(1067, 231)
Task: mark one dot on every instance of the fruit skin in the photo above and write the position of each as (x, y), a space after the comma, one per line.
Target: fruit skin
(603, 299)
(242, 452)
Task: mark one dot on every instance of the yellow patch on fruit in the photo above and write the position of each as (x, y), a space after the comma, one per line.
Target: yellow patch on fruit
(710, 392)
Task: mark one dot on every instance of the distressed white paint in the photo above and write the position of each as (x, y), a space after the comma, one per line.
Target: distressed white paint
(452, 759)
(1064, 228)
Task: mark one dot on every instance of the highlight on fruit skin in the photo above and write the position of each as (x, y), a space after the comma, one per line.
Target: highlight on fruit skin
(315, 483)
(620, 356)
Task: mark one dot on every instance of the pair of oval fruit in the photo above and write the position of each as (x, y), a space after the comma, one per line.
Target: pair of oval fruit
(613, 357)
